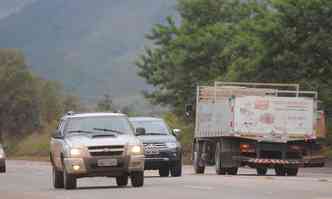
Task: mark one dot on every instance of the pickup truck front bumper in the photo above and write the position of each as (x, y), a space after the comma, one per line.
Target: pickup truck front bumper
(88, 167)
(163, 159)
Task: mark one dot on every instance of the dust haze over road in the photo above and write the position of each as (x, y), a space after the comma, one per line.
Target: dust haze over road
(25, 180)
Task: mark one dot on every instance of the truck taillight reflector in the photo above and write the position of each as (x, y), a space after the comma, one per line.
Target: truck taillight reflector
(247, 148)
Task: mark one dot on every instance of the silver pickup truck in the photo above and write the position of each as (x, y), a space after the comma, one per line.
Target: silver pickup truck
(96, 145)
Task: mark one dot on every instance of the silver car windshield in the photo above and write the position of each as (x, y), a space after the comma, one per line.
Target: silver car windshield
(155, 127)
(100, 124)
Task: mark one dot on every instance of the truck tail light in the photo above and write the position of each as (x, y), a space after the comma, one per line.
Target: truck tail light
(247, 148)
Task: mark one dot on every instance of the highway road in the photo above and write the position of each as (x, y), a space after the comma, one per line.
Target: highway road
(32, 180)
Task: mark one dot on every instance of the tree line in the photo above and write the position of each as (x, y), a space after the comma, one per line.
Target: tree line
(28, 103)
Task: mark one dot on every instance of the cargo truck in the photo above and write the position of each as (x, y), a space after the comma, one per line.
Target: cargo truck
(258, 125)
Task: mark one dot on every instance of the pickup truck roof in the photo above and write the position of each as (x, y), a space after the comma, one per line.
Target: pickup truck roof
(75, 115)
(145, 119)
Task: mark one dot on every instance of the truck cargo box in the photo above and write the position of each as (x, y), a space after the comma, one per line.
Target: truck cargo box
(262, 114)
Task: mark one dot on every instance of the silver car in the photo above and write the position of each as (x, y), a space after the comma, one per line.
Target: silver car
(2, 160)
(96, 145)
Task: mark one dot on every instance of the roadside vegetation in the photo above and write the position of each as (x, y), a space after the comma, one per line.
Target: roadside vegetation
(29, 106)
(284, 41)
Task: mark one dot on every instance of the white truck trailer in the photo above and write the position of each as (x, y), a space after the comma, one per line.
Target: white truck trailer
(257, 125)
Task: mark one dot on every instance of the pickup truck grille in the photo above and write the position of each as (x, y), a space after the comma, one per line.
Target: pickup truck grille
(116, 150)
(153, 148)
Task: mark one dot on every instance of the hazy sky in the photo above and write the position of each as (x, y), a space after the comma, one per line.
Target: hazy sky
(8, 7)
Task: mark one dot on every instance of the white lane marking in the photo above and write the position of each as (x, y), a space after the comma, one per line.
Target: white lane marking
(198, 187)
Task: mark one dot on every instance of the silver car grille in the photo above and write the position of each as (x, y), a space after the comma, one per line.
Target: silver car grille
(115, 150)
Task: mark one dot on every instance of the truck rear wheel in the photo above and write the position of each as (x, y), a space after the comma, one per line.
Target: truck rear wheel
(280, 171)
(137, 178)
(292, 171)
(232, 171)
(122, 180)
(219, 170)
(261, 171)
(57, 178)
(199, 169)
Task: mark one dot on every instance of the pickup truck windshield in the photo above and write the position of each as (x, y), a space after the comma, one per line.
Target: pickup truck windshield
(152, 127)
(105, 124)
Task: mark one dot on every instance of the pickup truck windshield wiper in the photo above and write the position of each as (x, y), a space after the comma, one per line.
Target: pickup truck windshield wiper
(79, 131)
(108, 130)
(156, 134)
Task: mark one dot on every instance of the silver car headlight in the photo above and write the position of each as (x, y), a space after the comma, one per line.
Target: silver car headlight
(171, 145)
(136, 149)
(76, 152)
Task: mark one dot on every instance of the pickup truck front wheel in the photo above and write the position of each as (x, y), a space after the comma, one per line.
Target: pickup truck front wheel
(3, 169)
(57, 178)
(176, 171)
(137, 178)
(70, 181)
(122, 180)
(164, 172)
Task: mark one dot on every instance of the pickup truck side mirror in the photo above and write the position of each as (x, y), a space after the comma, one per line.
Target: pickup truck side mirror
(140, 131)
(4, 147)
(189, 110)
(57, 134)
(176, 132)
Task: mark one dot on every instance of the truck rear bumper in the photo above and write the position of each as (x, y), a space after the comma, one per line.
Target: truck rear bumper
(317, 161)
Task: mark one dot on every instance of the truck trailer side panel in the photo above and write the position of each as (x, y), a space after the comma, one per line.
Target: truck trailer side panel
(274, 119)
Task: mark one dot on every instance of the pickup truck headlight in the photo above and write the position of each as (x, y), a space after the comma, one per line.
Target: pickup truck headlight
(2, 154)
(136, 149)
(76, 152)
(171, 145)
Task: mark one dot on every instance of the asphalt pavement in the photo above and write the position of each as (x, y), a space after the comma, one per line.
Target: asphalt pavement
(32, 180)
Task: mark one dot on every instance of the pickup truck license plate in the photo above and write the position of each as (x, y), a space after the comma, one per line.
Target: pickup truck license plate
(107, 162)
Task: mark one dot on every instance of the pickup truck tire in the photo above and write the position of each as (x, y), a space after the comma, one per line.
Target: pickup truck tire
(137, 178)
(177, 170)
(261, 171)
(3, 169)
(292, 171)
(164, 172)
(219, 170)
(122, 180)
(57, 178)
(70, 181)
(280, 171)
